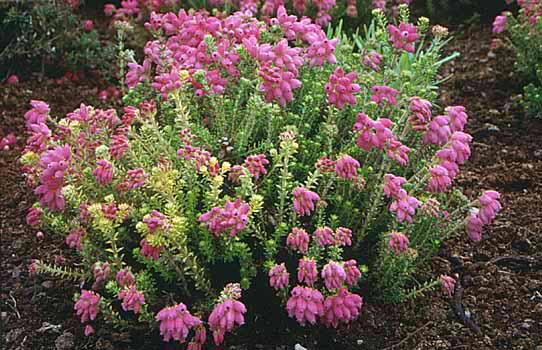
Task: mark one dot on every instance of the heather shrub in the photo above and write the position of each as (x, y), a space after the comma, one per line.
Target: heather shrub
(256, 148)
(525, 34)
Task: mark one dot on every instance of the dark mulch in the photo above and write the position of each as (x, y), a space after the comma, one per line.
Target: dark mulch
(499, 303)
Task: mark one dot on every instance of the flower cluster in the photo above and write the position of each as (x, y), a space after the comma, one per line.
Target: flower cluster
(230, 219)
(175, 322)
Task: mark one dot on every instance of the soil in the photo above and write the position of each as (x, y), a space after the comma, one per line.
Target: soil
(498, 302)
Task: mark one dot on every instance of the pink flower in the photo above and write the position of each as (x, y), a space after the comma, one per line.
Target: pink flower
(88, 25)
(379, 4)
(13, 80)
(307, 271)
(347, 167)
(155, 220)
(87, 305)
(321, 49)
(225, 317)
(431, 207)
(373, 60)
(39, 138)
(109, 9)
(343, 236)
(324, 236)
(118, 146)
(438, 131)
(103, 172)
(7, 142)
(474, 225)
(440, 180)
(422, 115)
(392, 185)
(136, 178)
(341, 88)
(73, 240)
(131, 298)
(304, 201)
(230, 219)
(298, 240)
(372, 134)
(398, 152)
(352, 272)
(33, 217)
(88, 330)
(305, 305)
(125, 278)
(278, 85)
(489, 206)
(39, 235)
(398, 242)
(256, 165)
(101, 272)
(404, 206)
(333, 275)
(384, 94)
(403, 37)
(460, 145)
(326, 165)
(149, 251)
(341, 307)
(199, 338)
(55, 164)
(500, 23)
(38, 113)
(448, 284)
(458, 117)
(278, 277)
(176, 322)
(110, 210)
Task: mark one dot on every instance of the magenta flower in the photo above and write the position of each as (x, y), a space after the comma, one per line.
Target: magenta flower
(118, 146)
(343, 236)
(346, 167)
(341, 307)
(279, 277)
(372, 60)
(33, 217)
(176, 322)
(110, 210)
(379, 4)
(39, 137)
(148, 251)
(474, 225)
(88, 25)
(440, 180)
(421, 113)
(372, 134)
(398, 242)
(307, 271)
(7, 142)
(458, 117)
(38, 113)
(304, 201)
(136, 178)
(256, 165)
(324, 236)
(340, 88)
(230, 219)
(199, 339)
(460, 142)
(131, 298)
(384, 95)
(88, 330)
(101, 272)
(438, 131)
(155, 220)
(225, 317)
(333, 275)
(392, 185)
(448, 284)
(326, 165)
(278, 85)
(55, 164)
(404, 206)
(321, 49)
(500, 24)
(13, 80)
(305, 305)
(87, 305)
(404, 36)
(73, 240)
(489, 206)
(298, 240)
(398, 152)
(352, 272)
(125, 278)
(103, 172)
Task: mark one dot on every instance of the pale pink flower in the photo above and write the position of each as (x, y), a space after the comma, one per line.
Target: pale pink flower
(305, 305)
(398, 152)
(176, 322)
(73, 240)
(149, 251)
(372, 134)
(225, 317)
(155, 221)
(230, 219)
(324, 236)
(298, 240)
(333, 275)
(458, 117)
(278, 277)
(131, 298)
(343, 236)
(384, 95)
(500, 24)
(398, 242)
(474, 226)
(55, 164)
(392, 185)
(404, 206)
(422, 115)
(440, 180)
(352, 272)
(33, 217)
(346, 167)
(256, 165)
(341, 307)
(125, 278)
(489, 206)
(88, 330)
(304, 201)
(448, 284)
(88, 25)
(307, 271)
(87, 305)
(438, 131)
(404, 36)
(373, 60)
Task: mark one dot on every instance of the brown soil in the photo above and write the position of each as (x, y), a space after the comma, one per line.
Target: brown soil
(499, 303)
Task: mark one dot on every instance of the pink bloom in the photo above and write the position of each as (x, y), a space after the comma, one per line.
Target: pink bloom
(278, 277)
(321, 49)
(341, 88)
(118, 146)
(131, 298)
(448, 284)
(298, 240)
(307, 271)
(256, 165)
(39, 235)
(438, 131)
(341, 307)
(431, 207)
(136, 178)
(39, 137)
(352, 272)
(278, 85)
(326, 165)
(392, 185)
(103, 172)
(347, 167)
(55, 164)
(422, 115)
(372, 134)
(489, 206)
(73, 240)
(33, 217)
(404, 206)
(324, 236)
(13, 80)
(500, 24)
(88, 330)
(101, 272)
(304, 201)
(103, 95)
(87, 305)
(8, 142)
(372, 60)
(474, 226)
(398, 242)
(460, 145)
(155, 220)
(88, 25)
(176, 322)
(458, 117)
(149, 251)
(110, 210)
(379, 4)
(199, 338)
(333, 275)
(398, 152)
(38, 113)
(230, 219)
(305, 304)
(440, 180)
(225, 317)
(404, 36)
(384, 94)
(125, 278)
(84, 214)
(343, 236)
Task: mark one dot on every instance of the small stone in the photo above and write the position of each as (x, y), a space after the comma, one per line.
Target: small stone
(65, 341)
(47, 284)
(299, 347)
